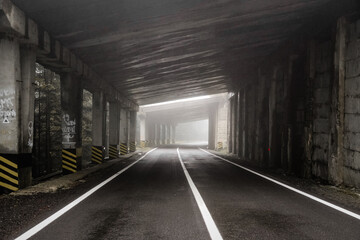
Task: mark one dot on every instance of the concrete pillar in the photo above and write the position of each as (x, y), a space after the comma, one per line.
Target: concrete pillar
(132, 130)
(173, 133)
(242, 123)
(238, 126)
(27, 61)
(17, 69)
(163, 134)
(144, 131)
(230, 125)
(234, 124)
(222, 125)
(114, 133)
(168, 133)
(152, 133)
(158, 133)
(98, 117)
(124, 133)
(212, 127)
(28, 58)
(71, 125)
(336, 161)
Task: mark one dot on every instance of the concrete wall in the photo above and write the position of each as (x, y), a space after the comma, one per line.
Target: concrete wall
(300, 112)
(321, 106)
(352, 107)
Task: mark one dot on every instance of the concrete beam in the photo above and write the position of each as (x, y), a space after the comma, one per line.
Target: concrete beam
(51, 53)
(12, 19)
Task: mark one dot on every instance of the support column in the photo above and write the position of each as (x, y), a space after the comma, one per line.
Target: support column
(212, 127)
(124, 137)
(168, 133)
(233, 124)
(71, 125)
(242, 118)
(17, 73)
(143, 130)
(114, 137)
(98, 112)
(158, 133)
(236, 127)
(27, 61)
(238, 124)
(163, 134)
(336, 161)
(230, 128)
(173, 133)
(132, 129)
(151, 131)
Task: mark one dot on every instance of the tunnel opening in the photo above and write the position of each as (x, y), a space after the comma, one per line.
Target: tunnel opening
(200, 120)
(192, 133)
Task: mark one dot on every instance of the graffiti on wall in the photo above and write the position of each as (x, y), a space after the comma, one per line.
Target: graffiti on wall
(7, 106)
(68, 130)
(31, 132)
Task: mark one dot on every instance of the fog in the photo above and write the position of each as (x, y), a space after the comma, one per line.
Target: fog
(182, 121)
(192, 132)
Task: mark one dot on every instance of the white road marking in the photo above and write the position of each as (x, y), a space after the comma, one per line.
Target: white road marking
(340, 209)
(209, 222)
(62, 211)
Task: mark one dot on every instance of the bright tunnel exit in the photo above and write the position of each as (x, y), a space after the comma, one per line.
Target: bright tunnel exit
(200, 120)
(193, 133)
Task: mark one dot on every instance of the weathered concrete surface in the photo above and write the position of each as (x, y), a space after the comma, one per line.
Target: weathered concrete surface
(27, 61)
(114, 124)
(168, 50)
(312, 108)
(98, 118)
(71, 104)
(352, 108)
(10, 74)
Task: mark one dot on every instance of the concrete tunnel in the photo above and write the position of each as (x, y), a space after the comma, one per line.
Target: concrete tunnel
(287, 73)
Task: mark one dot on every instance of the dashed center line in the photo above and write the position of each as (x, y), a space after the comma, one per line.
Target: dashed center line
(209, 222)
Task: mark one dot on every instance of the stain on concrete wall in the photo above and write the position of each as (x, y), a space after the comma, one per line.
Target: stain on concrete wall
(321, 108)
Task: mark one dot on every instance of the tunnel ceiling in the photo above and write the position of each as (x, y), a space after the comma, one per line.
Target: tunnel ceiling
(189, 111)
(162, 50)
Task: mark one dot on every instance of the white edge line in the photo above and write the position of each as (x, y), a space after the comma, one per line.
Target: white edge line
(31, 232)
(209, 222)
(340, 209)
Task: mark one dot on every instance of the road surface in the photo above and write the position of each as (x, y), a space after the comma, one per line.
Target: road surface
(153, 199)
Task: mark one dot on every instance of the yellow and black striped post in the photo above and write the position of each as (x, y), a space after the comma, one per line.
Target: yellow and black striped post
(9, 174)
(97, 154)
(113, 151)
(69, 161)
(132, 146)
(123, 149)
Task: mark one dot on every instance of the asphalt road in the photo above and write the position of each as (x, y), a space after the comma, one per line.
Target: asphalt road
(153, 200)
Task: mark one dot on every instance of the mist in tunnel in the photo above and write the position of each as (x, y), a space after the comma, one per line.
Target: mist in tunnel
(196, 132)
(193, 121)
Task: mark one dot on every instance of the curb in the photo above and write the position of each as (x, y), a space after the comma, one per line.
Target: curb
(67, 181)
